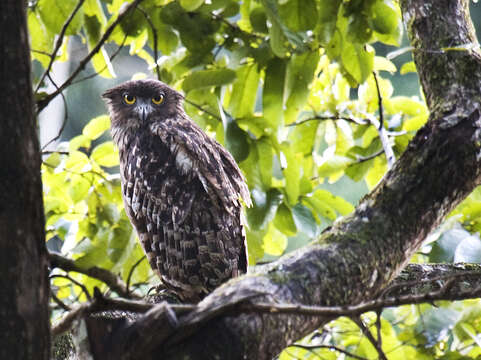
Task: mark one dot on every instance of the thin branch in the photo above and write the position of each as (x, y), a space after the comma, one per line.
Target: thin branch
(55, 152)
(330, 117)
(111, 58)
(101, 303)
(112, 280)
(330, 347)
(202, 109)
(372, 340)
(79, 284)
(390, 158)
(45, 101)
(58, 43)
(59, 302)
(129, 277)
(367, 158)
(154, 34)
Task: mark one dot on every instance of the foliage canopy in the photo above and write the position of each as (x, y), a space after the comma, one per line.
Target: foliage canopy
(293, 89)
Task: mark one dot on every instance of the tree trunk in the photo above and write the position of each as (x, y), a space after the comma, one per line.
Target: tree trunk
(24, 317)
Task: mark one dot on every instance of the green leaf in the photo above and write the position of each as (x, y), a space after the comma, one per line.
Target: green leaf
(208, 78)
(55, 13)
(41, 39)
(299, 15)
(105, 154)
(274, 242)
(264, 209)
(292, 173)
(78, 188)
(265, 155)
(328, 11)
(244, 92)
(333, 165)
(383, 64)
(258, 20)
(357, 61)
(384, 18)
(376, 172)
(77, 162)
(304, 220)
(342, 206)
(320, 207)
(273, 92)
(408, 67)
(80, 141)
(300, 73)
(167, 40)
(284, 221)
(236, 141)
(303, 137)
(96, 127)
(191, 5)
(255, 245)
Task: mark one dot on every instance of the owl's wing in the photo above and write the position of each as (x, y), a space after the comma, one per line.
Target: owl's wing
(216, 168)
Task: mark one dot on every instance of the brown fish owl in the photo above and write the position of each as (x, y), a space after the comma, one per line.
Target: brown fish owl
(180, 187)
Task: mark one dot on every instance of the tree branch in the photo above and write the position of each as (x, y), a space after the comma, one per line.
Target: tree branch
(58, 43)
(112, 280)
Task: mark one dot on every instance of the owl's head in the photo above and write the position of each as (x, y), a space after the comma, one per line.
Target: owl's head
(140, 102)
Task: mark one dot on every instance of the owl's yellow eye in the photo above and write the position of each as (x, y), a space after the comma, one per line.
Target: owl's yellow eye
(159, 99)
(129, 99)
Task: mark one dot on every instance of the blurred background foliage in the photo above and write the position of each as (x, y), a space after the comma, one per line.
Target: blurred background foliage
(291, 88)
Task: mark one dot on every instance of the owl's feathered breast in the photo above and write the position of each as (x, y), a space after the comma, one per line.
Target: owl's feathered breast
(181, 191)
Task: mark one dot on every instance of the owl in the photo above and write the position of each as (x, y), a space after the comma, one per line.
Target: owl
(181, 189)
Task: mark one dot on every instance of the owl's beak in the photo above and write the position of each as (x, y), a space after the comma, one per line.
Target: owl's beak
(143, 110)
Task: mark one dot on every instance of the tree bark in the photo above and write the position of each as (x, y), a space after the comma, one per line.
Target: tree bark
(361, 254)
(24, 317)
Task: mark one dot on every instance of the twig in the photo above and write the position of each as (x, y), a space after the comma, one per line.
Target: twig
(112, 280)
(154, 34)
(55, 152)
(59, 302)
(129, 277)
(331, 347)
(111, 58)
(390, 158)
(58, 43)
(367, 158)
(330, 117)
(372, 340)
(45, 101)
(202, 109)
(79, 284)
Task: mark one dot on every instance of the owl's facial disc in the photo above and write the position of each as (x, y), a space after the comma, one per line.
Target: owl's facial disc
(143, 109)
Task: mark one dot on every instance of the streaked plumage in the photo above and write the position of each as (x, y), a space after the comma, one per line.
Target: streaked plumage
(181, 189)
